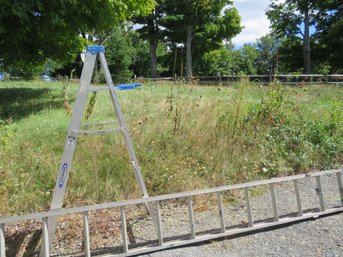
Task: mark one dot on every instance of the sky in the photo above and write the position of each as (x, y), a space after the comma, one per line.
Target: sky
(254, 20)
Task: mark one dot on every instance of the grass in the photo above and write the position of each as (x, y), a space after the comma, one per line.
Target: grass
(185, 137)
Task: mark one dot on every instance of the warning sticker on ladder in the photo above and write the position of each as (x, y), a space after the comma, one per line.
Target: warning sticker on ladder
(71, 143)
(63, 175)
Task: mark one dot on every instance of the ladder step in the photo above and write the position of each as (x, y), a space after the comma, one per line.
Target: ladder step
(97, 131)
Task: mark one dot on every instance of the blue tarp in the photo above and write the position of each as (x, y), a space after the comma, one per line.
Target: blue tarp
(46, 78)
(127, 86)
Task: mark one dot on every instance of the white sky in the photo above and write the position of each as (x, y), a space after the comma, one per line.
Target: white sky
(254, 20)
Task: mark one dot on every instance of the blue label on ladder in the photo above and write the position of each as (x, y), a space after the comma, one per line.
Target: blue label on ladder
(63, 175)
(95, 49)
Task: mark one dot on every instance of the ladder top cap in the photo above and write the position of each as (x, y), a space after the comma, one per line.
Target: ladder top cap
(95, 49)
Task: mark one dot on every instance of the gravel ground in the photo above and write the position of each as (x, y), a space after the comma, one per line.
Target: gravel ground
(320, 237)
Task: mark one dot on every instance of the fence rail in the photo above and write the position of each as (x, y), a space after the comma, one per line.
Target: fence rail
(264, 79)
(229, 79)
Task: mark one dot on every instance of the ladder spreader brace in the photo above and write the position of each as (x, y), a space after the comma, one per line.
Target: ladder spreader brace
(74, 130)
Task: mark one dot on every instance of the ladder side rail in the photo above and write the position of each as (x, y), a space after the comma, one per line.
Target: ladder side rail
(340, 186)
(114, 97)
(70, 143)
(59, 212)
(2, 241)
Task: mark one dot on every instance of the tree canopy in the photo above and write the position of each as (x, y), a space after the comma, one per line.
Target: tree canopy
(32, 30)
(168, 37)
(294, 18)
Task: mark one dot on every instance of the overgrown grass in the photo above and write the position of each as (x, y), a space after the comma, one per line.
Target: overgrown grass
(186, 137)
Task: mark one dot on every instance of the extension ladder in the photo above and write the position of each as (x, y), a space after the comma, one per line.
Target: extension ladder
(75, 128)
(193, 236)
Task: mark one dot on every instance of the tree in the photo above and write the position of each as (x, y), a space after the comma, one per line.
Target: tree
(329, 34)
(286, 20)
(224, 61)
(289, 59)
(268, 54)
(33, 30)
(151, 32)
(203, 22)
(120, 53)
(248, 56)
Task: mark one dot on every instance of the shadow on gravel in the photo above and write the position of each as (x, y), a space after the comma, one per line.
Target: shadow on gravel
(20, 245)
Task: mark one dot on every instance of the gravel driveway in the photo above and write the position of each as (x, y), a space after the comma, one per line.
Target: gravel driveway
(318, 238)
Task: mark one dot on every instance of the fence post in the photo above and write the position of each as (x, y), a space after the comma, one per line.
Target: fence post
(219, 78)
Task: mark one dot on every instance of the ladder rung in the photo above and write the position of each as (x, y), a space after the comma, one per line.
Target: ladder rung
(248, 203)
(320, 193)
(98, 124)
(96, 89)
(340, 186)
(123, 229)
(221, 211)
(97, 131)
(297, 195)
(191, 218)
(86, 234)
(46, 251)
(275, 208)
(159, 224)
(2, 241)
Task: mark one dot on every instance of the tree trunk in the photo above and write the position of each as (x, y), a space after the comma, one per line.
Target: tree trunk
(189, 51)
(153, 58)
(307, 47)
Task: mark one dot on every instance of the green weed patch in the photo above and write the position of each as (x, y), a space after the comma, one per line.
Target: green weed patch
(186, 137)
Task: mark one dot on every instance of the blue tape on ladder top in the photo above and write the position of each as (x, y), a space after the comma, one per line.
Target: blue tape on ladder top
(95, 49)
(127, 86)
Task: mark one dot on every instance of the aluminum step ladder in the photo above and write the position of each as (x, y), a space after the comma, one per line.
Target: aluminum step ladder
(92, 53)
